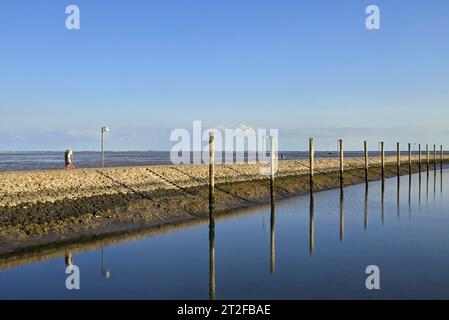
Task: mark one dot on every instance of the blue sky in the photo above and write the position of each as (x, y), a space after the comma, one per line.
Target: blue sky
(308, 68)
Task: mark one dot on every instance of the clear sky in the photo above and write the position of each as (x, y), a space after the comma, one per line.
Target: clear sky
(308, 68)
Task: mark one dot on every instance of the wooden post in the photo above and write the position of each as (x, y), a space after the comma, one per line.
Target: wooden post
(419, 157)
(410, 158)
(311, 159)
(382, 158)
(272, 159)
(211, 168)
(441, 156)
(341, 146)
(398, 154)
(435, 156)
(427, 156)
(365, 146)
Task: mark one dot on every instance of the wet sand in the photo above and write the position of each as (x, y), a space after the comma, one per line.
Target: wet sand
(39, 208)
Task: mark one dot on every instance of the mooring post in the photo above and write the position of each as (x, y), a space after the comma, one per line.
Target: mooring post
(382, 158)
(435, 156)
(441, 156)
(212, 168)
(419, 157)
(409, 158)
(341, 146)
(398, 154)
(272, 160)
(311, 160)
(365, 147)
(427, 156)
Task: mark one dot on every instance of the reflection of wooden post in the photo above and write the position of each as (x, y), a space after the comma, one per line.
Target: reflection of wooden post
(441, 156)
(382, 201)
(366, 206)
(311, 160)
(419, 157)
(211, 256)
(212, 168)
(311, 225)
(342, 214)
(382, 158)
(365, 146)
(341, 146)
(398, 154)
(410, 158)
(272, 235)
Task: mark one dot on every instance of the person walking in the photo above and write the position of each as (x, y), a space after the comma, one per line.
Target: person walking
(68, 156)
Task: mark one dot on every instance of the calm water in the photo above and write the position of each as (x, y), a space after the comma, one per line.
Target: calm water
(290, 252)
(25, 161)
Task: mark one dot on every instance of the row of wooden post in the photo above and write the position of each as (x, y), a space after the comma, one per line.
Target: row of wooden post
(382, 156)
(341, 152)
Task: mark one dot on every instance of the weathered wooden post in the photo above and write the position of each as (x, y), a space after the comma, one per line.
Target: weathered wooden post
(365, 147)
(382, 158)
(398, 155)
(311, 161)
(427, 156)
(272, 159)
(419, 157)
(341, 146)
(211, 169)
(435, 156)
(410, 158)
(441, 157)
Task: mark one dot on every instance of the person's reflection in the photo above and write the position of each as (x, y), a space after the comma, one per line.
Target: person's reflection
(211, 249)
(272, 233)
(311, 225)
(366, 205)
(68, 259)
(342, 213)
(104, 271)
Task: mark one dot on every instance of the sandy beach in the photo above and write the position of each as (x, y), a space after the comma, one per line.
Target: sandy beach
(45, 206)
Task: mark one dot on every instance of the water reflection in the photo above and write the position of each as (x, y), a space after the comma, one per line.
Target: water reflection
(382, 200)
(311, 224)
(68, 259)
(410, 193)
(398, 197)
(342, 213)
(104, 271)
(272, 233)
(419, 188)
(211, 247)
(366, 205)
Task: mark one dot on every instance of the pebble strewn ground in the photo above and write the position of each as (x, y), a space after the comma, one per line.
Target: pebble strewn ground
(17, 188)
